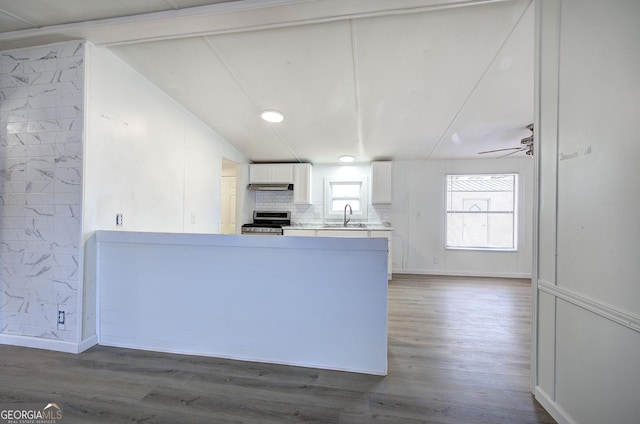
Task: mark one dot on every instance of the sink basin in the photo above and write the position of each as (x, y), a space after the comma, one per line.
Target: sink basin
(350, 225)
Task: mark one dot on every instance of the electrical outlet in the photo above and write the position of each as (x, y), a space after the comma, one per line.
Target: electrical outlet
(61, 320)
(193, 218)
(119, 219)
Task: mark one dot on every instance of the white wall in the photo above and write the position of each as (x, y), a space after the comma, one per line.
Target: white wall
(41, 124)
(588, 297)
(146, 156)
(419, 219)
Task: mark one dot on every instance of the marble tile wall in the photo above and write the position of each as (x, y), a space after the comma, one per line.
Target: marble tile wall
(41, 128)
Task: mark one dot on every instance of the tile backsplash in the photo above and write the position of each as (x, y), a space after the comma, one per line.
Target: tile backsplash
(313, 213)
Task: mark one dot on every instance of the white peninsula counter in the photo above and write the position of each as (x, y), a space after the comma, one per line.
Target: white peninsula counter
(307, 301)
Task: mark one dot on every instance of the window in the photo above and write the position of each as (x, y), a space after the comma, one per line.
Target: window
(481, 211)
(340, 192)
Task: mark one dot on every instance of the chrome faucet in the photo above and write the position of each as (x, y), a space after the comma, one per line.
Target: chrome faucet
(346, 221)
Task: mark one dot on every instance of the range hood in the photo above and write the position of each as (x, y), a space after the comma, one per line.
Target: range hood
(271, 187)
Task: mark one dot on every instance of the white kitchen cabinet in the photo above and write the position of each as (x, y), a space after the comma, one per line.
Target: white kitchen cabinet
(343, 233)
(271, 173)
(259, 173)
(381, 182)
(302, 183)
(299, 233)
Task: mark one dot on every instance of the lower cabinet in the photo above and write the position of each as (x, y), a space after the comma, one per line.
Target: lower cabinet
(343, 233)
(300, 233)
(347, 233)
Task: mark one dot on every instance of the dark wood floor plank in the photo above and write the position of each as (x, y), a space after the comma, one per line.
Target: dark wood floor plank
(459, 352)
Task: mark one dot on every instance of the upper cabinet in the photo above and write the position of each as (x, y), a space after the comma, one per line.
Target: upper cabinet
(262, 173)
(302, 183)
(298, 174)
(381, 182)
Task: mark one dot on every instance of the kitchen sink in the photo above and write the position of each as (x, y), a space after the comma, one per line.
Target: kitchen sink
(339, 225)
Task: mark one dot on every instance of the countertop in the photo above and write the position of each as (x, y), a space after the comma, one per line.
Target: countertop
(231, 240)
(352, 226)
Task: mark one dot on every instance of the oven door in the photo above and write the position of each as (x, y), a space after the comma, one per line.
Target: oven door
(261, 231)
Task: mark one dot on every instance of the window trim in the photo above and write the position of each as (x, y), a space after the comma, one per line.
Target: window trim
(328, 197)
(514, 213)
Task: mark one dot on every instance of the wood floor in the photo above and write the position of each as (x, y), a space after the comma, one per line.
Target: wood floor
(458, 353)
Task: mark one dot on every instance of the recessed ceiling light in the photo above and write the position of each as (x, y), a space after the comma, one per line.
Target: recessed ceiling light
(272, 116)
(347, 158)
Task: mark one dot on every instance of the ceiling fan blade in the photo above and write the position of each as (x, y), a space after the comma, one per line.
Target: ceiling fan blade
(512, 153)
(501, 150)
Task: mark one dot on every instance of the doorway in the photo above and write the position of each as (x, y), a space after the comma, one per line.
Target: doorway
(228, 197)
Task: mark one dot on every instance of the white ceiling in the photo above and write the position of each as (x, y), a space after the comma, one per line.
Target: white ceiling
(408, 79)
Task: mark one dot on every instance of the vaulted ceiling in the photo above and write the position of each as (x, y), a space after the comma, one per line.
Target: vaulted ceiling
(377, 79)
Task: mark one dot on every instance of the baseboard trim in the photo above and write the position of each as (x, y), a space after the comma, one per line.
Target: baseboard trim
(39, 343)
(463, 273)
(48, 344)
(555, 410)
(179, 351)
(87, 343)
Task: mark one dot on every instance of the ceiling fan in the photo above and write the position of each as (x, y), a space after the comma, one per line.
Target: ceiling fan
(526, 145)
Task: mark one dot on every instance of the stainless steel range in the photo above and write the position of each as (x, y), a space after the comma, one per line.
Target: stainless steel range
(267, 223)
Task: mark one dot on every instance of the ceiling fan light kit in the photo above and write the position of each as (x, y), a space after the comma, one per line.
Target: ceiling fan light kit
(527, 140)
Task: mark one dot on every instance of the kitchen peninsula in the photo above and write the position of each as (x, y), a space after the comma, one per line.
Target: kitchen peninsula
(308, 301)
(365, 230)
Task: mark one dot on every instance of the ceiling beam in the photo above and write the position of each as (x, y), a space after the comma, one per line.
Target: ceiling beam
(220, 18)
